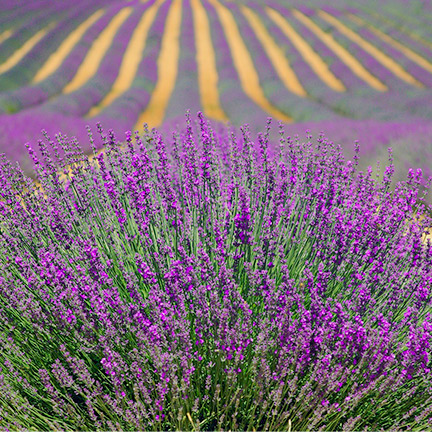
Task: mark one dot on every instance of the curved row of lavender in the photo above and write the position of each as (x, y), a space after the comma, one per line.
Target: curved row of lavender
(27, 106)
(213, 284)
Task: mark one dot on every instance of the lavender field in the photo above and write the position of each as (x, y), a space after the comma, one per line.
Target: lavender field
(351, 70)
(214, 215)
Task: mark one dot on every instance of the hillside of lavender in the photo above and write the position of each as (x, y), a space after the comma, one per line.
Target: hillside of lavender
(353, 70)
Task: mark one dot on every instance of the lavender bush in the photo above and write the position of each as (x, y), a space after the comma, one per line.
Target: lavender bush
(219, 285)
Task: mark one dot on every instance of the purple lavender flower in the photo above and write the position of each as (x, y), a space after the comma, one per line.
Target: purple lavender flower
(216, 282)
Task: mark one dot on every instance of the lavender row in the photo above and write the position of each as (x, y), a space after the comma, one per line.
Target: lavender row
(37, 93)
(401, 96)
(15, 17)
(318, 90)
(129, 106)
(186, 87)
(299, 108)
(23, 72)
(416, 18)
(230, 92)
(367, 61)
(419, 73)
(358, 102)
(80, 101)
(121, 114)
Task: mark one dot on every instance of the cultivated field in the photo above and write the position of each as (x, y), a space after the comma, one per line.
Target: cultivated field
(164, 266)
(64, 65)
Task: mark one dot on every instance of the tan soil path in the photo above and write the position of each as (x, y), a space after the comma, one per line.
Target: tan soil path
(409, 33)
(131, 59)
(243, 63)
(356, 67)
(275, 53)
(167, 69)
(5, 35)
(22, 51)
(56, 59)
(395, 68)
(95, 55)
(316, 63)
(412, 55)
(206, 62)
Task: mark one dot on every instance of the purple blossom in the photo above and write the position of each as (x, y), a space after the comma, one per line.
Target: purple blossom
(216, 281)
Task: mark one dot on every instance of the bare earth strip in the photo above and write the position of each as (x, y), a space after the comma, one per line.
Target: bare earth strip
(412, 55)
(131, 59)
(243, 63)
(94, 57)
(206, 62)
(167, 69)
(21, 52)
(409, 33)
(274, 52)
(355, 66)
(56, 59)
(317, 64)
(395, 68)
(5, 35)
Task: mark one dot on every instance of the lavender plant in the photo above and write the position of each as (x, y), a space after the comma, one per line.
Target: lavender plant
(222, 284)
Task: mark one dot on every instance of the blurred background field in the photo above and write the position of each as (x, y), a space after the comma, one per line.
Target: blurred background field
(355, 70)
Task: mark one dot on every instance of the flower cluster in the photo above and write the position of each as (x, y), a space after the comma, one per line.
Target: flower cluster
(214, 283)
